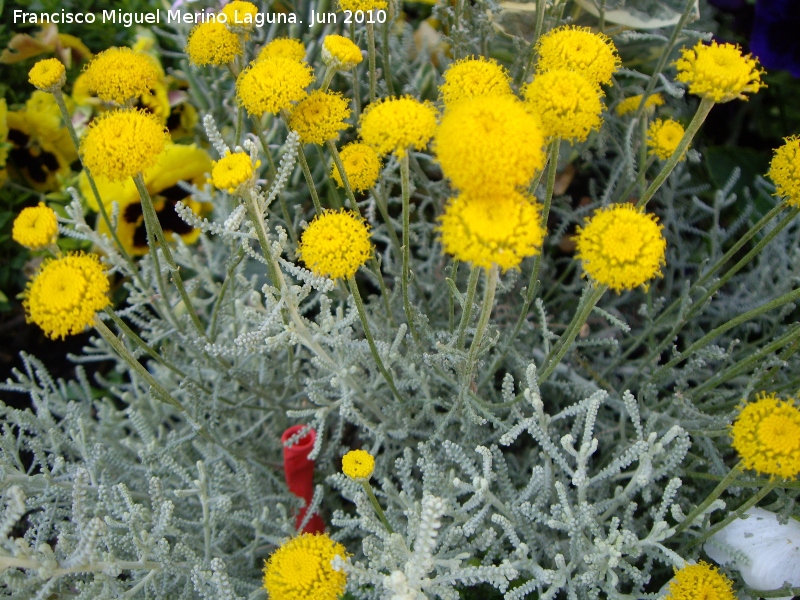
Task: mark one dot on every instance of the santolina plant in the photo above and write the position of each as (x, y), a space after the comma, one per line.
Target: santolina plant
(461, 320)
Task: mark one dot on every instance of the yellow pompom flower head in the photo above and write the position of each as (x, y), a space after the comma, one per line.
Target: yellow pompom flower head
(320, 117)
(784, 170)
(719, 72)
(212, 43)
(48, 75)
(65, 293)
(358, 465)
(122, 143)
(273, 84)
(567, 103)
(693, 582)
(301, 569)
(240, 16)
(473, 77)
(340, 53)
(396, 124)
(336, 244)
(488, 229)
(663, 137)
(119, 75)
(766, 434)
(621, 247)
(35, 227)
(283, 47)
(489, 143)
(631, 104)
(233, 171)
(362, 165)
(579, 49)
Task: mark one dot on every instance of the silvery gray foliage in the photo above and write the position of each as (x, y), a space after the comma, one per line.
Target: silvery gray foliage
(495, 482)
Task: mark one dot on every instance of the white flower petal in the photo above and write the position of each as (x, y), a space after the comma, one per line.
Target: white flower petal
(766, 553)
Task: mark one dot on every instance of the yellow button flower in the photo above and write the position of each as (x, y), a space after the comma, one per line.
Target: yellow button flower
(473, 77)
(394, 125)
(240, 15)
(693, 582)
(284, 47)
(122, 143)
(492, 228)
(358, 464)
(48, 75)
(363, 5)
(212, 43)
(489, 143)
(35, 227)
(362, 165)
(120, 74)
(320, 117)
(663, 137)
(340, 53)
(719, 72)
(766, 434)
(567, 103)
(232, 171)
(572, 48)
(301, 569)
(621, 247)
(65, 293)
(631, 104)
(784, 170)
(336, 244)
(272, 84)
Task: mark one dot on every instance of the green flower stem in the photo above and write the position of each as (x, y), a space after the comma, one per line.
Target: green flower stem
(737, 514)
(387, 55)
(59, 98)
(585, 307)
(533, 283)
(362, 314)
(373, 76)
(376, 269)
(451, 297)
(639, 181)
(743, 318)
(706, 104)
(151, 221)
(161, 393)
(356, 80)
(239, 124)
(405, 185)
(716, 493)
(780, 593)
(745, 260)
(376, 506)
(665, 55)
(337, 159)
(301, 155)
(380, 202)
(541, 8)
(490, 287)
(466, 309)
(237, 259)
(705, 277)
(326, 81)
(273, 173)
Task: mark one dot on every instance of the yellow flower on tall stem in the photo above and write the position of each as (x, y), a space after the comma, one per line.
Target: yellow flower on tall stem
(473, 77)
(211, 43)
(273, 84)
(394, 125)
(579, 49)
(489, 143)
(784, 170)
(64, 295)
(283, 47)
(663, 137)
(631, 104)
(319, 117)
(693, 582)
(336, 244)
(567, 103)
(301, 569)
(35, 227)
(48, 75)
(362, 165)
(119, 74)
(719, 72)
(766, 434)
(621, 247)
